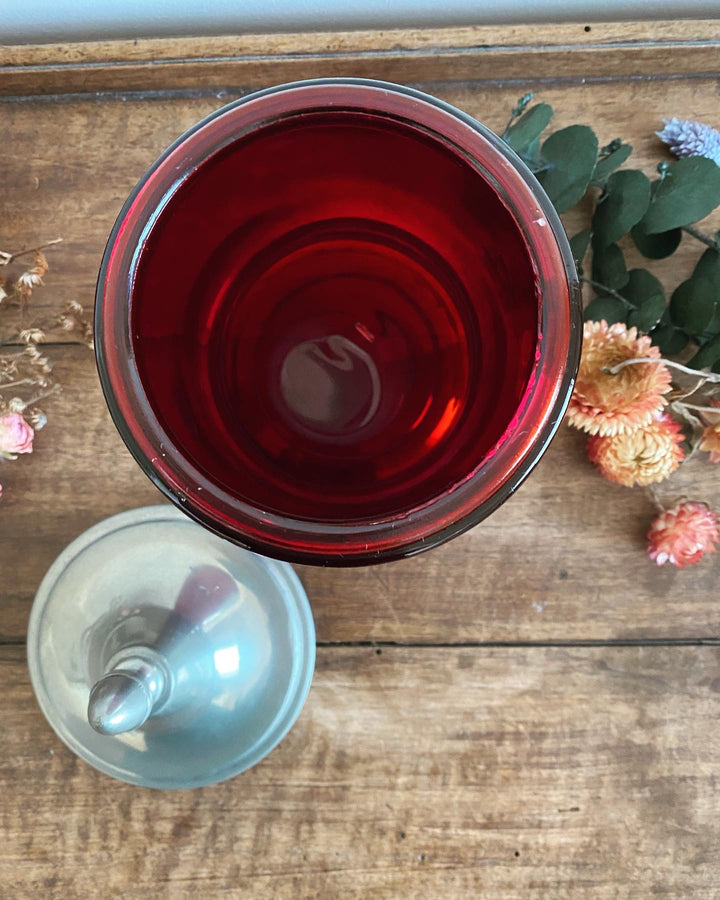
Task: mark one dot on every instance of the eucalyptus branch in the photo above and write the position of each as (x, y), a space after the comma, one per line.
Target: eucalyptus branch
(518, 111)
(712, 377)
(599, 286)
(703, 238)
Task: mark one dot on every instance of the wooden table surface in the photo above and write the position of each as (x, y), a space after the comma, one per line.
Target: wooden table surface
(529, 711)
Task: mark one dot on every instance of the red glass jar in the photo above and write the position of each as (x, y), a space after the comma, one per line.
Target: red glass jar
(338, 322)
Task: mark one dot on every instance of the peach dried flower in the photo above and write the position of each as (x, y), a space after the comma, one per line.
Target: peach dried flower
(711, 442)
(683, 535)
(16, 436)
(643, 456)
(711, 435)
(616, 404)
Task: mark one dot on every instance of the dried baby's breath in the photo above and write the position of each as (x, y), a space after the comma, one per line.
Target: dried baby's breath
(32, 335)
(73, 318)
(26, 373)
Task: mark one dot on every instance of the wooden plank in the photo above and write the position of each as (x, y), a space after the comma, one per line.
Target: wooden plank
(64, 176)
(361, 41)
(509, 773)
(562, 560)
(494, 53)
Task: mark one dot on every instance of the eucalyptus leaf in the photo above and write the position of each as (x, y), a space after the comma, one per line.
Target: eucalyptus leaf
(608, 266)
(711, 329)
(606, 166)
(570, 154)
(531, 123)
(708, 267)
(531, 155)
(642, 286)
(656, 246)
(693, 305)
(646, 294)
(579, 244)
(623, 205)
(669, 339)
(648, 314)
(606, 307)
(688, 192)
(707, 356)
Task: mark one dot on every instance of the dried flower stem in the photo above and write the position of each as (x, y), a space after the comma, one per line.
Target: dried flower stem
(709, 409)
(7, 258)
(712, 377)
(12, 384)
(703, 238)
(654, 499)
(677, 397)
(53, 389)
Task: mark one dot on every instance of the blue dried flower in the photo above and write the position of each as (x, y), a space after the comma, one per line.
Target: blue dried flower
(688, 138)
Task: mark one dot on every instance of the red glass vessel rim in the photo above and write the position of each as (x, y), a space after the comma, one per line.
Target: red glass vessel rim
(355, 541)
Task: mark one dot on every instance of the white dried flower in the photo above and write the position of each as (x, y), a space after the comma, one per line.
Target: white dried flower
(32, 336)
(16, 405)
(28, 281)
(688, 138)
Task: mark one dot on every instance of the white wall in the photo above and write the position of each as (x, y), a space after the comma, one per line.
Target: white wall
(27, 21)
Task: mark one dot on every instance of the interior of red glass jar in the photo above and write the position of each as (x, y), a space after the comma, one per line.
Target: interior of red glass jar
(335, 317)
(187, 455)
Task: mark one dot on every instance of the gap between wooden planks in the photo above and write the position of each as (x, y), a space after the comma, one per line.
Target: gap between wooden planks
(496, 53)
(63, 174)
(460, 773)
(563, 559)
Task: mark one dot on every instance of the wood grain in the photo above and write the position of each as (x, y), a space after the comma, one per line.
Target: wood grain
(416, 773)
(489, 53)
(564, 559)
(427, 771)
(566, 36)
(64, 176)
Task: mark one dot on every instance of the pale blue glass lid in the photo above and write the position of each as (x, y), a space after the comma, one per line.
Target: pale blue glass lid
(232, 632)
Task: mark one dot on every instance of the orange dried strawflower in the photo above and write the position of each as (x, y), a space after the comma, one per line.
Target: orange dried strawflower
(616, 404)
(683, 535)
(643, 456)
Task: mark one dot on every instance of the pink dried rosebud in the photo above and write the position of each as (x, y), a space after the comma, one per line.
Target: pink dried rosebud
(683, 535)
(16, 436)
